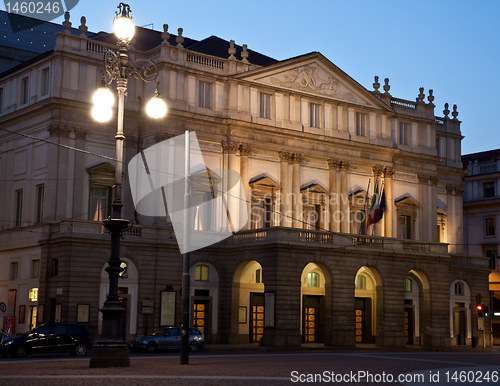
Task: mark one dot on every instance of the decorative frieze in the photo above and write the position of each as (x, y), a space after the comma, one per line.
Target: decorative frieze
(361, 170)
(213, 147)
(266, 155)
(58, 131)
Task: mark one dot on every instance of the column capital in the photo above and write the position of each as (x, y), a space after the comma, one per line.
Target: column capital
(297, 158)
(334, 164)
(245, 150)
(230, 147)
(450, 189)
(434, 180)
(423, 178)
(459, 190)
(80, 133)
(389, 172)
(285, 156)
(377, 170)
(344, 165)
(58, 131)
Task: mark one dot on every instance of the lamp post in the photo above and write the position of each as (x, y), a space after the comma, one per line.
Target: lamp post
(111, 350)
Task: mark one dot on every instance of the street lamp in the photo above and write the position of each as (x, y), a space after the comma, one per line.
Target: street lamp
(111, 350)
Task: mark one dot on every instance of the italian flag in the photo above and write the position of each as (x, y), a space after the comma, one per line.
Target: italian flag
(375, 208)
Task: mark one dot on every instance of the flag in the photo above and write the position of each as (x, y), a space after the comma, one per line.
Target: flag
(383, 206)
(375, 208)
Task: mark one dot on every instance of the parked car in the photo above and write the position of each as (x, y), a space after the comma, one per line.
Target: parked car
(56, 337)
(167, 338)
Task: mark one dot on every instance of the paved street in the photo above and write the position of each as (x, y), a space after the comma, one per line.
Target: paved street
(262, 367)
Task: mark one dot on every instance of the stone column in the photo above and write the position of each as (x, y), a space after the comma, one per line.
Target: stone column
(378, 227)
(389, 201)
(244, 168)
(459, 191)
(285, 159)
(451, 223)
(344, 201)
(423, 210)
(433, 209)
(333, 199)
(296, 196)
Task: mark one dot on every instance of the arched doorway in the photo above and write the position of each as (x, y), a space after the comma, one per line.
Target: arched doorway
(365, 303)
(313, 304)
(205, 299)
(128, 290)
(416, 306)
(248, 293)
(460, 313)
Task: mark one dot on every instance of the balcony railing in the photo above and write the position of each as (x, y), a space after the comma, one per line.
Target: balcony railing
(205, 60)
(403, 104)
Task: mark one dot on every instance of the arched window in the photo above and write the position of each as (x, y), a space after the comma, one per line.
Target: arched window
(459, 288)
(408, 285)
(201, 273)
(360, 282)
(312, 279)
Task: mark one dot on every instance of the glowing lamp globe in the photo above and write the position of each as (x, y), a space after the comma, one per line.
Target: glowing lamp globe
(156, 108)
(124, 28)
(103, 97)
(102, 114)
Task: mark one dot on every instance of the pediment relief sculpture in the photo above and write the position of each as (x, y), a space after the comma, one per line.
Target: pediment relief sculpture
(308, 79)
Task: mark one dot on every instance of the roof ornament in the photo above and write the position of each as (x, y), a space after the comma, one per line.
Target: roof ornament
(244, 54)
(376, 85)
(165, 35)
(83, 28)
(179, 39)
(446, 112)
(386, 85)
(421, 96)
(231, 50)
(430, 98)
(455, 112)
(66, 23)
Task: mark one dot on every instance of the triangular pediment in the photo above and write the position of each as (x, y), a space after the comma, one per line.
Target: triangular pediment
(315, 75)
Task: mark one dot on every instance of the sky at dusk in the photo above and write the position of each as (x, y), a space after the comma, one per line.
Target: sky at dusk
(450, 46)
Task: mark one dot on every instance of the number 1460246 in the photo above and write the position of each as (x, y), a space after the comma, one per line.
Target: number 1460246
(33, 7)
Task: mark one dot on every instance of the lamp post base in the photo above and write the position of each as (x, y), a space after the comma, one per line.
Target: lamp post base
(115, 355)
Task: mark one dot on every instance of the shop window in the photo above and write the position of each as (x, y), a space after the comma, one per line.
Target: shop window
(33, 294)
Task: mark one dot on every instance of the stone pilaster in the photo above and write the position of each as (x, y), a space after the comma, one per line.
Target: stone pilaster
(233, 163)
(378, 171)
(285, 207)
(433, 209)
(451, 218)
(244, 168)
(423, 210)
(389, 200)
(344, 202)
(459, 220)
(296, 196)
(333, 200)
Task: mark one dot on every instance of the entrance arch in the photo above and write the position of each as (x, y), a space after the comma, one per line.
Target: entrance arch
(248, 295)
(128, 290)
(365, 292)
(416, 306)
(313, 311)
(460, 313)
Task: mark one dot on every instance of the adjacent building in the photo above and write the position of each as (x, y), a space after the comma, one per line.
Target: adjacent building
(312, 147)
(481, 216)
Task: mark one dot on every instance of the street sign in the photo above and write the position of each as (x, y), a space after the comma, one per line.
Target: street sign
(3, 307)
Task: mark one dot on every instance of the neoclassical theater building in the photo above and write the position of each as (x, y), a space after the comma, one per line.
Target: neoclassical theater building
(312, 146)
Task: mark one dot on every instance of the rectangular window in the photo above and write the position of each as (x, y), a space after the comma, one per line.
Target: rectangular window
(19, 207)
(44, 89)
(265, 106)
(258, 276)
(100, 203)
(360, 124)
(405, 231)
(201, 273)
(1, 100)
(314, 115)
(35, 268)
(490, 226)
(489, 189)
(404, 129)
(55, 267)
(14, 270)
(24, 91)
(492, 255)
(39, 203)
(204, 95)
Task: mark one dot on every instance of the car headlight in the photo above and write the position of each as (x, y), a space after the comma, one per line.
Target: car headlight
(7, 343)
